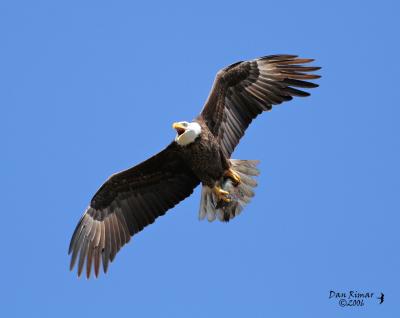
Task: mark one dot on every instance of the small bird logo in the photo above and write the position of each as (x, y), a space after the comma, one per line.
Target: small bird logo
(382, 298)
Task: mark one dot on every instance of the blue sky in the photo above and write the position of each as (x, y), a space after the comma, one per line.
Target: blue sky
(89, 88)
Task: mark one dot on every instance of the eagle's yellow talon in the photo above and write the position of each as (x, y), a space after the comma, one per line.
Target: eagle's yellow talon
(222, 194)
(233, 176)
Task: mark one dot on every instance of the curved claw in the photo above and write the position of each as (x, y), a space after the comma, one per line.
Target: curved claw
(222, 195)
(230, 173)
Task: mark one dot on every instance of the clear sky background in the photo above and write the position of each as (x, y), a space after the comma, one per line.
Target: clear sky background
(89, 88)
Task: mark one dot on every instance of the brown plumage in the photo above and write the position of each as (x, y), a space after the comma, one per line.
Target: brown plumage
(205, 150)
(244, 90)
(130, 200)
(126, 203)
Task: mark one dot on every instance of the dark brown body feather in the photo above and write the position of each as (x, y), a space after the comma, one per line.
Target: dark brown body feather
(205, 158)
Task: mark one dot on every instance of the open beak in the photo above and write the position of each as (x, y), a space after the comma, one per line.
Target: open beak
(179, 128)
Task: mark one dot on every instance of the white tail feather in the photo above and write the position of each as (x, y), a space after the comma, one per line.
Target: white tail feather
(240, 195)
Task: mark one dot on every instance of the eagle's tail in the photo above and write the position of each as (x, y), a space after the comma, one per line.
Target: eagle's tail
(240, 195)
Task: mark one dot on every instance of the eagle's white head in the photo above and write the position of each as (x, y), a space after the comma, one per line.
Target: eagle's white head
(186, 132)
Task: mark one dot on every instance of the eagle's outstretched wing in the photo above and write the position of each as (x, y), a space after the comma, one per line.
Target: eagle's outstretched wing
(125, 204)
(243, 90)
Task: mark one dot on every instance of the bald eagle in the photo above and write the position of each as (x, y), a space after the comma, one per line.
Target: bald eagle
(201, 153)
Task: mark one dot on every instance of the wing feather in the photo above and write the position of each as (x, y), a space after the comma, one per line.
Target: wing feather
(126, 203)
(244, 90)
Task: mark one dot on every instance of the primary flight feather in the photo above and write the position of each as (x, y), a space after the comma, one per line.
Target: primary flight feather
(132, 199)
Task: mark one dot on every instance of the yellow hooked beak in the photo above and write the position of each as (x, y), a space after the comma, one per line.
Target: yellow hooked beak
(180, 129)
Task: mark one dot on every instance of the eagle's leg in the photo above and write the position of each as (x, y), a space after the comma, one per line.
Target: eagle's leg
(222, 194)
(230, 173)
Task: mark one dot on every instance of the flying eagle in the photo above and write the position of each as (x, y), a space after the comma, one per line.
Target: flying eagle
(201, 153)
